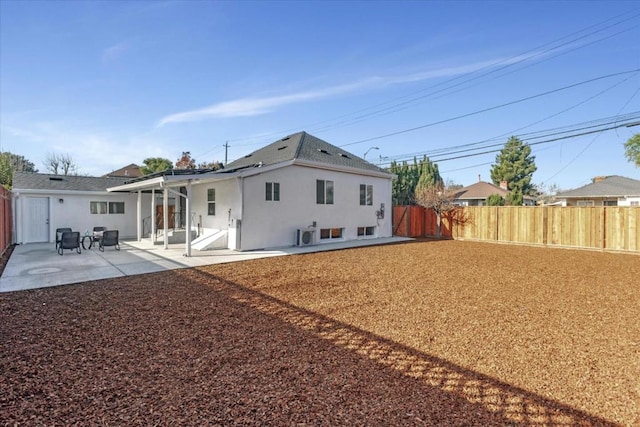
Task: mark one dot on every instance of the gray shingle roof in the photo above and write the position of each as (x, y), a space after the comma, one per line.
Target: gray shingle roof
(611, 186)
(39, 181)
(301, 146)
(479, 190)
(129, 171)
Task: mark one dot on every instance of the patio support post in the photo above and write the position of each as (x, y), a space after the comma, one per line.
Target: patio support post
(165, 216)
(153, 215)
(139, 216)
(188, 220)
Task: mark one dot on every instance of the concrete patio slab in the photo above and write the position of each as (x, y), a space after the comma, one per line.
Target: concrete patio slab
(38, 265)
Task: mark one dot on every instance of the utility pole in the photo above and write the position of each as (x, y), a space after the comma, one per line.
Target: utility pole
(226, 148)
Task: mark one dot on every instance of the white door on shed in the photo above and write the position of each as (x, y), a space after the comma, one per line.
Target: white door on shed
(36, 223)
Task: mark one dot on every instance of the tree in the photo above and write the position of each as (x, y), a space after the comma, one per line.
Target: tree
(155, 164)
(10, 163)
(186, 161)
(435, 197)
(429, 175)
(515, 165)
(495, 200)
(632, 149)
(211, 165)
(409, 177)
(68, 165)
(60, 162)
(403, 187)
(547, 193)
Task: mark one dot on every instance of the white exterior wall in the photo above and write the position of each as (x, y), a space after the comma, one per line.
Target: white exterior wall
(629, 201)
(270, 224)
(227, 198)
(74, 212)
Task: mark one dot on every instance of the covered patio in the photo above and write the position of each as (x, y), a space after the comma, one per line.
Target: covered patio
(169, 184)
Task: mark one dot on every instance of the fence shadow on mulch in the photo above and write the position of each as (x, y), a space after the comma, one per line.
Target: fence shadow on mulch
(478, 397)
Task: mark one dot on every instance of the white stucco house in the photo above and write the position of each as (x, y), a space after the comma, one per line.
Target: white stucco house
(42, 203)
(299, 190)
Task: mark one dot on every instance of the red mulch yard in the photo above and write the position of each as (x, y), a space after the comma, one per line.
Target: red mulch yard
(420, 333)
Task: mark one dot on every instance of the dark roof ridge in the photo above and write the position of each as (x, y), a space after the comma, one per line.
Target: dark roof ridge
(303, 136)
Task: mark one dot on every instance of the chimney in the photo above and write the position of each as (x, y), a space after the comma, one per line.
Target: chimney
(479, 178)
(596, 179)
(504, 185)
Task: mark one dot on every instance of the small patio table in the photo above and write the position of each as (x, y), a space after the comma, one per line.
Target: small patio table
(90, 238)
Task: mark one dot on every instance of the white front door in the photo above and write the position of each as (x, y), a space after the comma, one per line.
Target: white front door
(36, 220)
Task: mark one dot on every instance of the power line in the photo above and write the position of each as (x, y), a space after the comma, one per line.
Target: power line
(610, 125)
(593, 140)
(484, 110)
(508, 63)
(446, 91)
(498, 137)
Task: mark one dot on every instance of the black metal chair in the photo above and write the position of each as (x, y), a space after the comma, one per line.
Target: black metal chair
(109, 238)
(70, 240)
(59, 232)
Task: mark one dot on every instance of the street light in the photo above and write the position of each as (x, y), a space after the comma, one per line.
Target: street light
(366, 152)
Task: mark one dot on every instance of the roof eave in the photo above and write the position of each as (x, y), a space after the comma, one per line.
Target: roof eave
(18, 191)
(346, 169)
(563, 196)
(139, 185)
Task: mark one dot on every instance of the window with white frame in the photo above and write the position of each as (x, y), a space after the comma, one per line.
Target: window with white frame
(324, 192)
(584, 203)
(272, 191)
(366, 195)
(331, 233)
(116, 207)
(97, 208)
(367, 231)
(610, 203)
(102, 208)
(211, 201)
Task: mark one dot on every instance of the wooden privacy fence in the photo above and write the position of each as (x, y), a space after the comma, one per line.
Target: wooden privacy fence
(6, 221)
(608, 228)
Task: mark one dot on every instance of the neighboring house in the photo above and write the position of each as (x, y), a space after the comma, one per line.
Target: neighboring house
(43, 202)
(604, 191)
(129, 171)
(477, 194)
(298, 190)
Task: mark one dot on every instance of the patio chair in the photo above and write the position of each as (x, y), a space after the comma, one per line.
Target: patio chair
(70, 240)
(97, 233)
(59, 232)
(109, 238)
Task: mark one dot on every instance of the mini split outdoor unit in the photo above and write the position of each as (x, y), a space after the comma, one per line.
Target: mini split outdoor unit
(305, 236)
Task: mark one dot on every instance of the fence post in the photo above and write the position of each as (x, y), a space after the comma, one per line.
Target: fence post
(495, 231)
(603, 233)
(545, 224)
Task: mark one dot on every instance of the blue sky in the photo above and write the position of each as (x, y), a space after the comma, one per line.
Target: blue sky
(115, 82)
